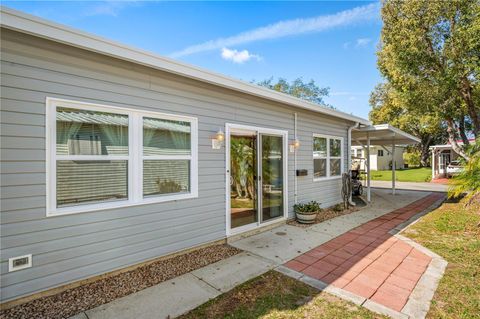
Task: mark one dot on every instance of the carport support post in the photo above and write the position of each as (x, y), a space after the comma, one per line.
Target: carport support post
(433, 163)
(393, 167)
(368, 168)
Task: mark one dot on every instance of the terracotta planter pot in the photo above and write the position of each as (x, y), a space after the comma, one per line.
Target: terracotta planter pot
(306, 218)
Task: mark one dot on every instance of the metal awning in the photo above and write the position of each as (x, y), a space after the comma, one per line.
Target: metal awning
(382, 135)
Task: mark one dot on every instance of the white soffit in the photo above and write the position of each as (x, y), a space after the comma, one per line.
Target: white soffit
(25, 23)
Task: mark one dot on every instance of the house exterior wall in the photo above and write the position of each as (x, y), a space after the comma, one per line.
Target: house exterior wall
(383, 162)
(77, 246)
(380, 163)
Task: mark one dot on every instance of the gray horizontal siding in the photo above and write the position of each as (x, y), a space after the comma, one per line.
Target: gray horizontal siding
(326, 192)
(147, 236)
(114, 260)
(73, 247)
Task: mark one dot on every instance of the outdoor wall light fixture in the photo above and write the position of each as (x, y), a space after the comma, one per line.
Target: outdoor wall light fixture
(218, 139)
(294, 145)
(220, 135)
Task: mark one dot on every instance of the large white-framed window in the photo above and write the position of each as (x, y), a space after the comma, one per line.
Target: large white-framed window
(101, 157)
(327, 157)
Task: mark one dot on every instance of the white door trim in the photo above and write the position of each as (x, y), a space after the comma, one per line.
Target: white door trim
(260, 130)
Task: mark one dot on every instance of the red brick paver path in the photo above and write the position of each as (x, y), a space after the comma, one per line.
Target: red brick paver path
(440, 181)
(370, 262)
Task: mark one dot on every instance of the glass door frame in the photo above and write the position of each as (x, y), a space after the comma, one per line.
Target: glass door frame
(231, 128)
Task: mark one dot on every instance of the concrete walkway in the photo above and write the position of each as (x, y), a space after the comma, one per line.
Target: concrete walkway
(262, 252)
(174, 297)
(428, 187)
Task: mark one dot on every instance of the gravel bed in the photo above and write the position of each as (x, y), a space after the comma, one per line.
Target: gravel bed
(82, 298)
(324, 215)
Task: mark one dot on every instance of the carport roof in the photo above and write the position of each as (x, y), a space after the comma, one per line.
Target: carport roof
(383, 134)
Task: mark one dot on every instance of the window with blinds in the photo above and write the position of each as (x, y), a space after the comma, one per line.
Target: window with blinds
(107, 157)
(327, 156)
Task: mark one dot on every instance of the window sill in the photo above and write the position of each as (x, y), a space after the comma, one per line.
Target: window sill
(117, 204)
(321, 179)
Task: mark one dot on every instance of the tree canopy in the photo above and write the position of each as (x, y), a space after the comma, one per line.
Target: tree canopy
(389, 107)
(308, 91)
(430, 56)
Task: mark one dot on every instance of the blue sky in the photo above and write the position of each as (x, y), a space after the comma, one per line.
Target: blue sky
(331, 42)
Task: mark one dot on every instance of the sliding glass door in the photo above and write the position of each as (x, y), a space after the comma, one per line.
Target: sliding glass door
(272, 176)
(257, 181)
(243, 179)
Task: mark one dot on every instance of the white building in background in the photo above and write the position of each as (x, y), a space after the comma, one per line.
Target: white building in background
(380, 157)
(442, 155)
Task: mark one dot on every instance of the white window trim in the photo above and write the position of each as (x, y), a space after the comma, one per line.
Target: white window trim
(328, 158)
(135, 157)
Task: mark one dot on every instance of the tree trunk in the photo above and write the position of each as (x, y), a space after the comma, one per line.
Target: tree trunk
(453, 139)
(461, 130)
(250, 187)
(238, 188)
(425, 151)
(466, 93)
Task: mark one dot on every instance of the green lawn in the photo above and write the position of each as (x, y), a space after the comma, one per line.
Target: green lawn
(420, 174)
(275, 296)
(453, 232)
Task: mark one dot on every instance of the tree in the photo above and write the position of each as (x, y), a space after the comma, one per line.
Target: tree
(306, 91)
(389, 106)
(242, 167)
(432, 49)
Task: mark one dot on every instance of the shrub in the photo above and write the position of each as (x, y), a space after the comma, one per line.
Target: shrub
(468, 180)
(307, 208)
(413, 158)
(338, 208)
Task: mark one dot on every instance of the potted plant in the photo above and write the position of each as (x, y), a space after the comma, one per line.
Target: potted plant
(307, 213)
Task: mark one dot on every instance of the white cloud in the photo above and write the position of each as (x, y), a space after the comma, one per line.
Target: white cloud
(341, 93)
(347, 93)
(238, 56)
(363, 42)
(109, 8)
(288, 28)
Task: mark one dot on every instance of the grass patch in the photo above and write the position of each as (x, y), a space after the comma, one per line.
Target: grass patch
(274, 295)
(452, 231)
(420, 174)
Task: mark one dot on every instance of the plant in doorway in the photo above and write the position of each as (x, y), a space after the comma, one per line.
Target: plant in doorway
(307, 213)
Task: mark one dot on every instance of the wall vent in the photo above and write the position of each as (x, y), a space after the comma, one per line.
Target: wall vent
(20, 262)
